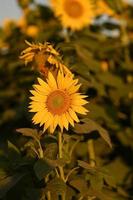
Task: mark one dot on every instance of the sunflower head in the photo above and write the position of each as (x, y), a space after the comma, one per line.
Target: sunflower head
(29, 53)
(44, 58)
(74, 14)
(56, 102)
(101, 7)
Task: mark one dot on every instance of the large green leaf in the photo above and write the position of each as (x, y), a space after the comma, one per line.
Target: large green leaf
(42, 168)
(8, 182)
(88, 126)
(29, 132)
(57, 188)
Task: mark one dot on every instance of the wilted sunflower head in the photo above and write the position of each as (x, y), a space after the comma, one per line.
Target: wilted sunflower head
(56, 102)
(29, 53)
(44, 57)
(74, 14)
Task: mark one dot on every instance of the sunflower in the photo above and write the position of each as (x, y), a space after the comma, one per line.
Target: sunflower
(45, 58)
(56, 102)
(101, 7)
(29, 53)
(74, 14)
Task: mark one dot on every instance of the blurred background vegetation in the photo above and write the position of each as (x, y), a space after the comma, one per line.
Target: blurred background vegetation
(100, 55)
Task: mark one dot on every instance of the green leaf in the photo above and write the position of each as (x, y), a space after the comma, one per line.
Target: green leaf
(55, 163)
(42, 168)
(29, 132)
(3, 174)
(13, 153)
(87, 166)
(51, 151)
(12, 147)
(118, 169)
(88, 126)
(8, 182)
(56, 187)
(32, 194)
(97, 175)
(110, 79)
(86, 56)
(80, 184)
(96, 181)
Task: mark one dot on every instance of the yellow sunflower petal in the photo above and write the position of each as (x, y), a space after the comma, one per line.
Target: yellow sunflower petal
(36, 106)
(47, 124)
(46, 117)
(73, 115)
(39, 98)
(74, 89)
(60, 80)
(42, 90)
(65, 121)
(51, 81)
(70, 120)
(80, 109)
(78, 95)
(55, 122)
(78, 101)
(38, 117)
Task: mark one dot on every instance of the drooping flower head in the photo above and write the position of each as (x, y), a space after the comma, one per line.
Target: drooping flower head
(56, 102)
(74, 14)
(44, 57)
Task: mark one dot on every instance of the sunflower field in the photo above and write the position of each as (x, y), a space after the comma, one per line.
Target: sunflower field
(66, 99)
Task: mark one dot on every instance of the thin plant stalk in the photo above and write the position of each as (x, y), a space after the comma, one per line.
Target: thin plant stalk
(60, 145)
(91, 152)
(60, 155)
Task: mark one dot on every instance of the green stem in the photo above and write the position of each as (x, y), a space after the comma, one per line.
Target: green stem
(60, 155)
(60, 145)
(80, 198)
(40, 149)
(91, 153)
(48, 195)
(70, 172)
(73, 147)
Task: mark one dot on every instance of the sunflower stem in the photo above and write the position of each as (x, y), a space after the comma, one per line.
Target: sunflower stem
(60, 155)
(70, 172)
(48, 195)
(40, 149)
(91, 153)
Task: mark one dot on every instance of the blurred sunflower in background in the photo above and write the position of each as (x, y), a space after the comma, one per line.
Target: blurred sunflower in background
(56, 102)
(101, 7)
(73, 14)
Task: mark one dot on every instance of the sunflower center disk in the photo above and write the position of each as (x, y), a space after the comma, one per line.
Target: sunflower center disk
(58, 102)
(73, 8)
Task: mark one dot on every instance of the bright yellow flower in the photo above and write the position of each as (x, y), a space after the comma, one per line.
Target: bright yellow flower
(104, 66)
(74, 14)
(101, 7)
(32, 31)
(8, 25)
(56, 102)
(22, 23)
(45, 58)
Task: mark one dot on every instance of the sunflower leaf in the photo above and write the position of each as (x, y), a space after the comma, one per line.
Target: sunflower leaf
(8, 182)
(57, 187)
(42, 168)
(29, 132)
(88, 126)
